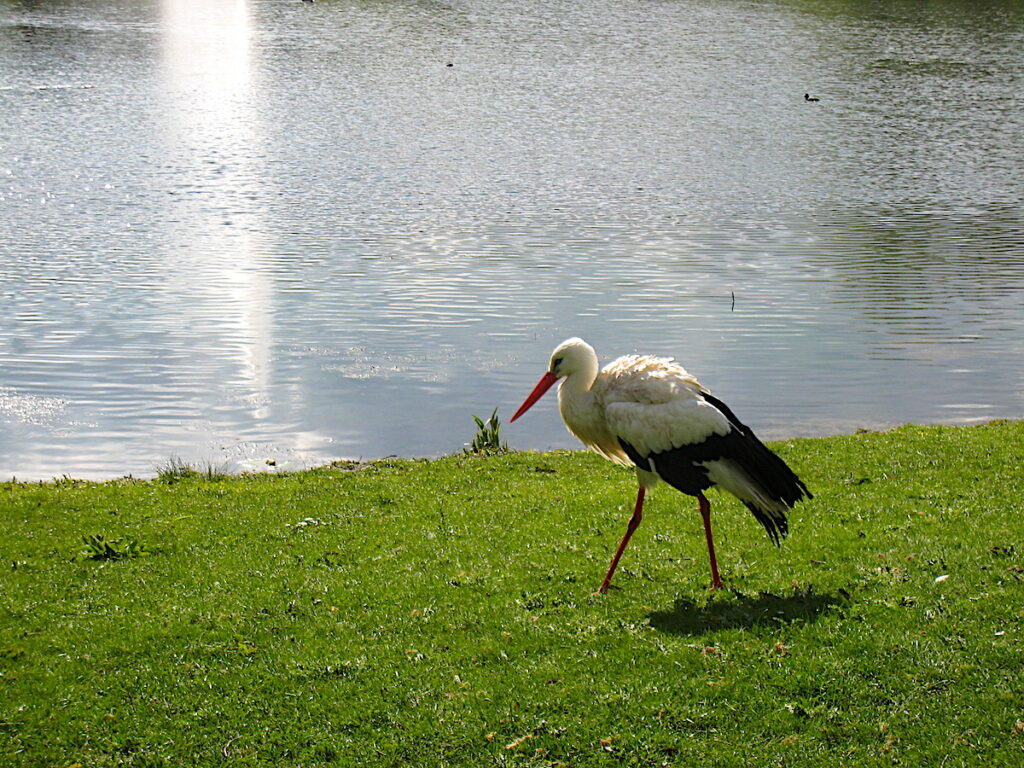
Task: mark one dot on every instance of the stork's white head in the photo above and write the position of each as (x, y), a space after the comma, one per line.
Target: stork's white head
(572, 356)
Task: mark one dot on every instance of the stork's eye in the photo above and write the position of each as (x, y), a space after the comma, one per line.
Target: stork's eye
(556, 362)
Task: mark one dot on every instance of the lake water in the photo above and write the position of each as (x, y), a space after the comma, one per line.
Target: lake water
(234, 232)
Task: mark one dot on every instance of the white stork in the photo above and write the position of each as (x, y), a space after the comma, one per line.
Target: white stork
(648, 412)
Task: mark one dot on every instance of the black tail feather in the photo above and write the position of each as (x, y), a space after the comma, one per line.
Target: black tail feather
(765, 468)
(775, 523)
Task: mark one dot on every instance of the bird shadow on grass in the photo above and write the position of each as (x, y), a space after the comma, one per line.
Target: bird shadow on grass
(738, 611)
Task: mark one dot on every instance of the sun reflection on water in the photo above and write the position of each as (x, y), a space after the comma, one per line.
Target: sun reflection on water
(207, 66)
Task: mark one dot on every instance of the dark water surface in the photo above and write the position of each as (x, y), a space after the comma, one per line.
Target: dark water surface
(236, 231)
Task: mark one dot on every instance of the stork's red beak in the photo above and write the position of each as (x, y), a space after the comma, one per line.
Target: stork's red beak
(542, 386)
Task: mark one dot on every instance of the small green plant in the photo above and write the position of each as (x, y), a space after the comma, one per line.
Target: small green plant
(488, 437)
(176, 469)
(98, 548)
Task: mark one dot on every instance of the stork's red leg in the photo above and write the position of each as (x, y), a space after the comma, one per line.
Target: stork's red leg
(634, 521)
(705, 512)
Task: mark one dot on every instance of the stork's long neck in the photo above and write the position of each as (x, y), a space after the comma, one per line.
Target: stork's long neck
(584, 415)
(575, 389)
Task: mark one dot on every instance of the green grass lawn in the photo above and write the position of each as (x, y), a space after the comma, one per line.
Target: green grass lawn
(443, 613)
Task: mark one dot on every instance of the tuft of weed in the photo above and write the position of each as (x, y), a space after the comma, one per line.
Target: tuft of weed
(487, 440)
(176, 469)
(100, 548)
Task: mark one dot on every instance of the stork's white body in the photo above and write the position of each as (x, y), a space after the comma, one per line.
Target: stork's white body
(645, 399)
(650, 413)
(655, 405)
